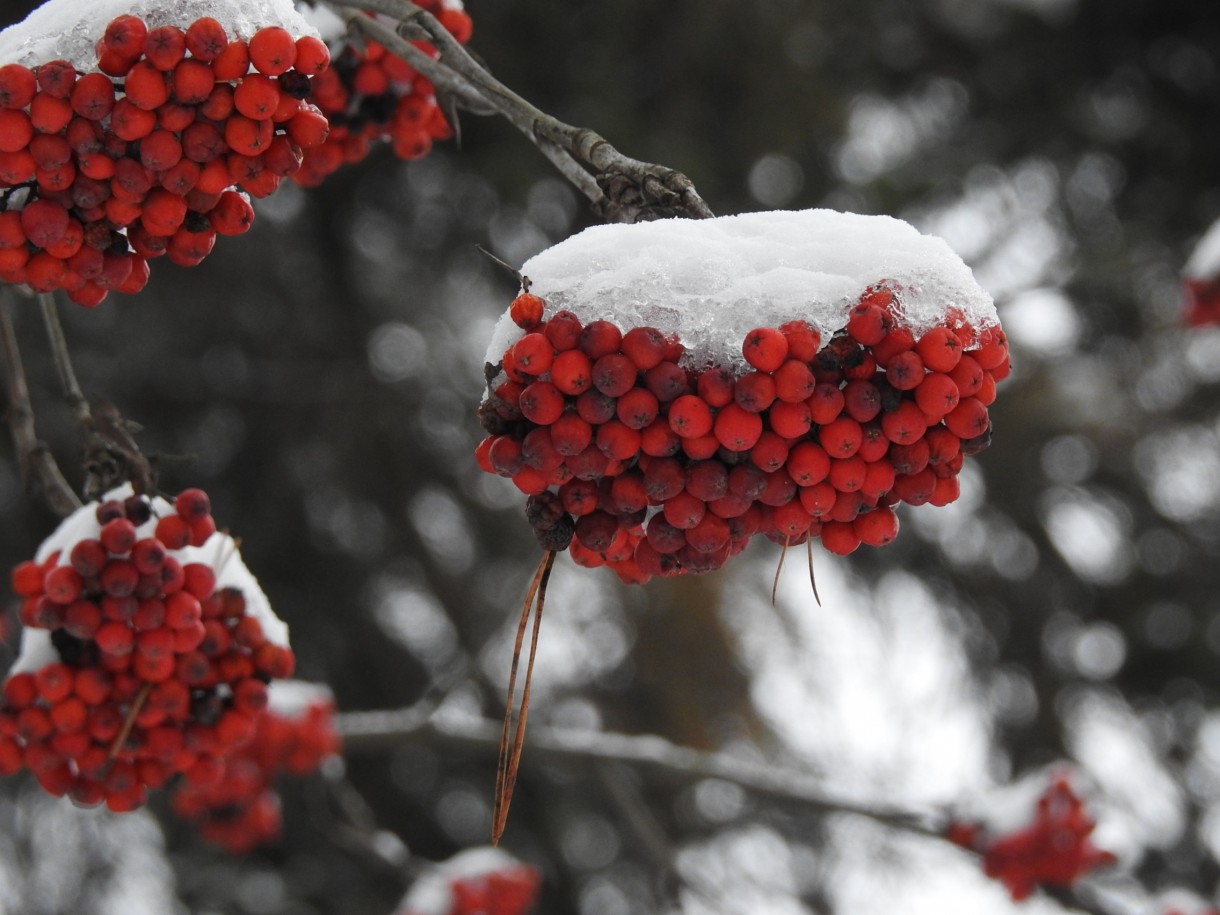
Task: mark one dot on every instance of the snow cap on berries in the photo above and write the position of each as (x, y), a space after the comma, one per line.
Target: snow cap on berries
(437, 891)
(69, 30)
(710, 281)
(220, 552)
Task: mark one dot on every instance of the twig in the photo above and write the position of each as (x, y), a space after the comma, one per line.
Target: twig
(623, 189)
(371, 731)
(42, 475)
(63, 361)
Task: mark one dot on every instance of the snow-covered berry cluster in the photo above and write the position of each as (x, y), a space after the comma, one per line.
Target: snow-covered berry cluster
(150, 151)
(370, 95)
(293, 736)
(656, 467)
(665, 391)
(146, 654)
(477, 881)
(1054, 850)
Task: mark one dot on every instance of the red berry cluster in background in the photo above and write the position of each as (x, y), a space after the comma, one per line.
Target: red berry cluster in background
(1202, 301)
(150, 670)
(476, 888)
(147, 155)
(369, 94)
(1053, 850)
(654, 468)
(241, 810)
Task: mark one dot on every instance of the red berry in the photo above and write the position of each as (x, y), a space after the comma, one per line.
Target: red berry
(273, 50)
(765, 348)
(690, 417)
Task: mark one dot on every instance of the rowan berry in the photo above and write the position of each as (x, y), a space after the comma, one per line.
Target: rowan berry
(160, 150)
(737, 428)
(769, 452)
(826, 403)
(967, 375)
(563, 330)
(904, 424)
(754, 391)
(898, 340)
(17, 86)
(233, 62)
(617, 441)
(905, 371)
(16, 168)
(968, 419)
(44, 222)
(613, 374)
(937, 395)
(637, 408)
(716, 386)
(847, 474)
(803, 340)
(807, 464)
(273, 50)
(915, 488)
(657, 439)
(232, 214)
(600, 338)
(82, 619)
(56, 78)
(867, 322)
(312, 56)
(257, 97)
(54, 682)
(146, 87)
(841, 437)
(790, 520)
(16, 131)
(878, 478)
(663, 536)
(789, 420)
(910, 458)
(690, 417)
(765, 349)
(63, 584)
(701, 447)
(779, 490)
(192, 82)
(590, 464)
(247, 136)
(644, 346)
(839, 537)
(596, 531)
(709, 535)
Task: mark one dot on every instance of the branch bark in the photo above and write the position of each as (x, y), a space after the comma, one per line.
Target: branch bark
(43, 478)
(621, 189)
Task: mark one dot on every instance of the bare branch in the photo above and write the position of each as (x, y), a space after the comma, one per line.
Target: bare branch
(63, 361)
(42, 475)
(621, 188)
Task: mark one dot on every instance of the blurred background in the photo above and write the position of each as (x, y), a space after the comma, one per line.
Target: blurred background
(323, 370)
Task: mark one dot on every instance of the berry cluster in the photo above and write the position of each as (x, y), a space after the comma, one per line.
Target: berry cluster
(242, 809)
(1202, 301)
(371, 95)
(136, 664)
(1053, 850)
(145, 156)
(654, 468)
(478, 881)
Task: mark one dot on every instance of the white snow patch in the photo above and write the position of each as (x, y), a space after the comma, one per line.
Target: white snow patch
(69, 29)
(432, 893)
(219, 551)
(1204, 261)
(290, 698)
(711, 281)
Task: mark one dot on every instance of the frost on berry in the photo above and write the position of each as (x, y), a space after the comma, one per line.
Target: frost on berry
(135, 130)
(141, 660)
(474, 882)
(1053, 850)
(667, 391)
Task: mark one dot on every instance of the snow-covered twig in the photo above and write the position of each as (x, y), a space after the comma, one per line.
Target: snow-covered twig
(621, 188)
(37, 463)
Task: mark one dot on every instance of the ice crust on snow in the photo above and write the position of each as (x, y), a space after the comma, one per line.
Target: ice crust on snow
(711, 281)
(219, 551)
(1204, 261)
(69, 29)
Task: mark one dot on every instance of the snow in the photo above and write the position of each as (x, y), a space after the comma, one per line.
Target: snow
(290, 698)
(432, 894)
(1204, 261)
(220, 552)
(711, 281)
(69, 29)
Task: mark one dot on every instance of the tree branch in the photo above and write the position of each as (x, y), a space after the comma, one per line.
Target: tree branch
(622, 189)
(43, 478)
(63, 361)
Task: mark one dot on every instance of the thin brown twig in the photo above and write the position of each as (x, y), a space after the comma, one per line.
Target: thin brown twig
(622, 188)
(509, 755)
(129, 722)
(63, 360)
(42, 474)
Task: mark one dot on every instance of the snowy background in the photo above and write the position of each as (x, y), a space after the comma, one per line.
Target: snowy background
(322, 371)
